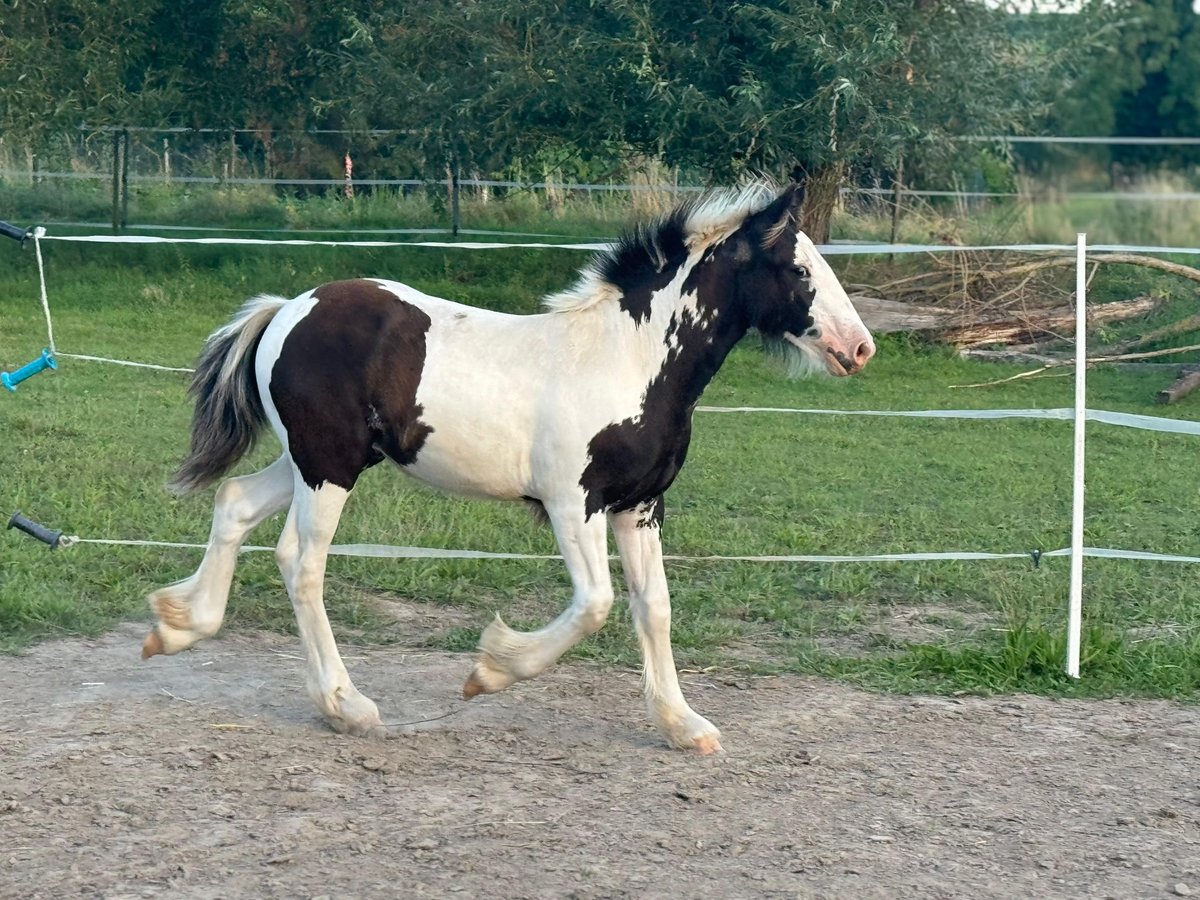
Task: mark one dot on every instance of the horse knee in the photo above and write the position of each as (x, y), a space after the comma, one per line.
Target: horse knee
(652, 615)
(595, 610)
(287, 555)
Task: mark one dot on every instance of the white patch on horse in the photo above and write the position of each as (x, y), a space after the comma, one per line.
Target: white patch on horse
(269, 348)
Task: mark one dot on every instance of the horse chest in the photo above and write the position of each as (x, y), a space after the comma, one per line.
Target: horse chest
(633, 461)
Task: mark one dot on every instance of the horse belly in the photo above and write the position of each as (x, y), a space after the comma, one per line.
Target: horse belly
(482, 434)
(462, 458)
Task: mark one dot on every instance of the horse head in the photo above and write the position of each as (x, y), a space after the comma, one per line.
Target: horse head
(792, 296)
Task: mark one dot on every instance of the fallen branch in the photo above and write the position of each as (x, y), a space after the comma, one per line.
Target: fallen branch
(1042, 322)
(1042, 371)
(1054, 363)
(1191, 323)
(952, 326)
(974, 285)
(1130, 259)
(1184, 385)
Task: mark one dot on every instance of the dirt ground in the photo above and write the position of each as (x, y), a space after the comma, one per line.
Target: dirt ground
(209, 775)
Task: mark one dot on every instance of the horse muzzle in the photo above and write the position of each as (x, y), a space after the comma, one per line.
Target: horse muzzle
(839, 363)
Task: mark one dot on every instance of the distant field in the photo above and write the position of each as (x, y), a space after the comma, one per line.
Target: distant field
(88, 449)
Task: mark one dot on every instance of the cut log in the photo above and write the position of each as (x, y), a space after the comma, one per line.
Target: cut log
(1188, 381)
(882, 316)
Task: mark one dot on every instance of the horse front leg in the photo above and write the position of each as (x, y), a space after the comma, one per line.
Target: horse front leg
(507, 655)
(301, 553)
(639, 542)
(194, 608)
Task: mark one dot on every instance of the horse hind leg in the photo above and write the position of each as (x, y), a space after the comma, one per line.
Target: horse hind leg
(193, 609)
(507, 655)
(301, 553)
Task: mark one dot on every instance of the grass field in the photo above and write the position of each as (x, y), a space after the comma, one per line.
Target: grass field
(87, 450)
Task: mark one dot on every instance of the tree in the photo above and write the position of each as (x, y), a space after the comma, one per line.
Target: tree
(715, 87)
(483, 82)
(63, 62)
(1143, 80)
(833, 86)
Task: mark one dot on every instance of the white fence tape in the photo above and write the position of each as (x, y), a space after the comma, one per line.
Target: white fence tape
(388, 551)
(296, 242)
(1064, 413)
(839, 249)
(484, 232)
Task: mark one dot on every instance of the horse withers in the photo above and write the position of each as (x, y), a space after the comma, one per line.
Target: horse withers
(583, 411)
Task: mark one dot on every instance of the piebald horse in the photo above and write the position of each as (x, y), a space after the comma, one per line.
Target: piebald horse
(583, 411)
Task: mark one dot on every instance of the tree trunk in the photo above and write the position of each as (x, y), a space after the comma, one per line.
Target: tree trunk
(821, 196)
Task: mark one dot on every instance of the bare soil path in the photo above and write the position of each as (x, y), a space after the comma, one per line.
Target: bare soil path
(208, 775)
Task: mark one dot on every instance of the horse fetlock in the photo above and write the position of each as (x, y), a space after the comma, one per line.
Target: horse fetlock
(514, 653)
(173, 606)
(179, 626)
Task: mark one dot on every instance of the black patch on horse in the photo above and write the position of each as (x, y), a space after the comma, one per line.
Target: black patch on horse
(645, 260)
(345, 383)
(739, 283)
(637, 459)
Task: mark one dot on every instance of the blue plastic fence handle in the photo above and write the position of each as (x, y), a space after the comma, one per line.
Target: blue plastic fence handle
(11, 379)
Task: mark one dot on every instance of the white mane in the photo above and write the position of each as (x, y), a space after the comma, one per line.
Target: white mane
(699, 221)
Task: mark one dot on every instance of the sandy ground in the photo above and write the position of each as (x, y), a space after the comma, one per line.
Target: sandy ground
(209, 775)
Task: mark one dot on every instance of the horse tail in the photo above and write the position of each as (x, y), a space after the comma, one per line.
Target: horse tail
(229, 410)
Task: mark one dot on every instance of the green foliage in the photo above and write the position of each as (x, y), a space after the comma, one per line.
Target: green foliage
(1143, 79)
(710, 87)
(63, 62)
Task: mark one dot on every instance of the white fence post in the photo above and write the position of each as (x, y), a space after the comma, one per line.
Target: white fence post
(1075, 615)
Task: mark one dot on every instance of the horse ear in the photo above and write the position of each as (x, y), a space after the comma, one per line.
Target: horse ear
(783, 211)
(799, 176)
(797, 189)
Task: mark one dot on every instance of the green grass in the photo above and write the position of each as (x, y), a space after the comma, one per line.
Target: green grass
(87, 449)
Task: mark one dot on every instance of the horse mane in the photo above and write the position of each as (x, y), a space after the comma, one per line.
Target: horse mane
(650, 247)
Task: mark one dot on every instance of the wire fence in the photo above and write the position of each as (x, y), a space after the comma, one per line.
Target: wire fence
(1035, 169)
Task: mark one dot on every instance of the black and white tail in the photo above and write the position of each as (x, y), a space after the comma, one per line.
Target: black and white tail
(229, 411)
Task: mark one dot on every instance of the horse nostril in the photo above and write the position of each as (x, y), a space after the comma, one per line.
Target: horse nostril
(863, 352)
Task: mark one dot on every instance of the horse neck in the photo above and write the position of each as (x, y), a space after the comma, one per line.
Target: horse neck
(694, 323)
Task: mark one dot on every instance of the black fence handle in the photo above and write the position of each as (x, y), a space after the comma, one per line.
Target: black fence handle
(17, 234)
(34, 530)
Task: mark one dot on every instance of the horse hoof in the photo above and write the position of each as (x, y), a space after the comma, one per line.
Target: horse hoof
(376, 732)
(153, 645)
(707, 745)
(473, 687)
